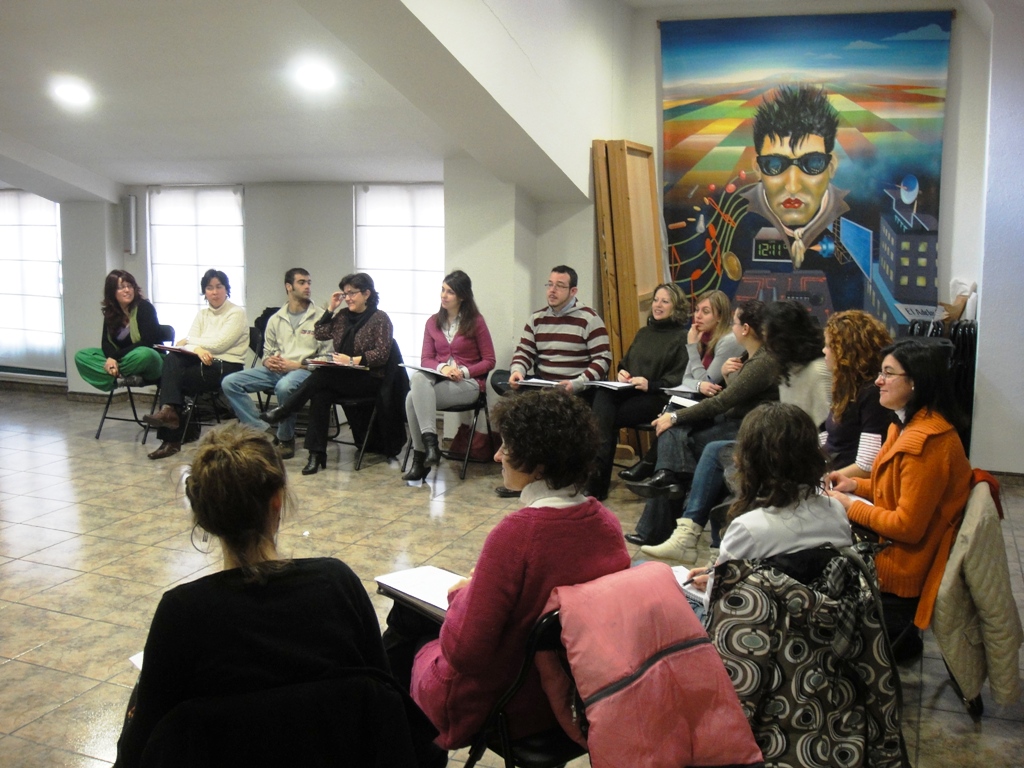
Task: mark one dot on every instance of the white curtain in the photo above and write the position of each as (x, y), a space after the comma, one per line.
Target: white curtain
(400, 243)
(31, 310)
(191, 230)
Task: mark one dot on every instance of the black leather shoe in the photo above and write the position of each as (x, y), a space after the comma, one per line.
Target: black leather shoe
(432, 455)
(639, 471)
(275, 415)
(285, 449)
(316, 461)
(636, 538)
(166, 449)
(665, 483)
(506, 493)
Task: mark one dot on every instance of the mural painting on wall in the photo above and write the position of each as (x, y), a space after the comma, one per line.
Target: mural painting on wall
(802, 158)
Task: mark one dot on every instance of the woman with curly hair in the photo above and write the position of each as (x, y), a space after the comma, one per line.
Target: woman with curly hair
(856, 422)
(559, 537)
(130, 329)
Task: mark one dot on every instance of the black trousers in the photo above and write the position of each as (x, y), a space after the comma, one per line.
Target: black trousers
(615, 409)
(321, 389)
(185, 375)
(408, 631)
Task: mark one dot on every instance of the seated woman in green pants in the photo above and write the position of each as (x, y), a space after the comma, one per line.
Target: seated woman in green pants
(130, 329)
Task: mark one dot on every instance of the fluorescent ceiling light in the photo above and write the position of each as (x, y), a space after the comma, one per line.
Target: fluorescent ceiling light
(313, 74)
(71, 92)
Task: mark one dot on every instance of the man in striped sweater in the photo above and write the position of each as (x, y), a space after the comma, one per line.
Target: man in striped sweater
(564, 342)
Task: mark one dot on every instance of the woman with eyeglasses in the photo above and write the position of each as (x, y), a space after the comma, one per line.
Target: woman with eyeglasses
(456, 344)
(215, 346)
(709, 343)
(362, 336)
(130, 329)
(559, 537)
(918, 486)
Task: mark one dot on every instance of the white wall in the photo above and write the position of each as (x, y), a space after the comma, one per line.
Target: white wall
(480, 235)
(999, 407)
(88, 254)
(296, 225)
(558, 69)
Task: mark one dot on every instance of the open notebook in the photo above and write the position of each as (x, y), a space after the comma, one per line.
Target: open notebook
(424, 589)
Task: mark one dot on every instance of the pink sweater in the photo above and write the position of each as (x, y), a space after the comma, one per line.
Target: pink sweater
(457, 678)
(475, 352)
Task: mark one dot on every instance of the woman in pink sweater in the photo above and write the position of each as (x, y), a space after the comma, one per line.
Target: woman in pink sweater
(456, 344)
(560, 537)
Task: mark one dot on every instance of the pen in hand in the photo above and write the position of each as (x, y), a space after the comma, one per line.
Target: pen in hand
(694, 576)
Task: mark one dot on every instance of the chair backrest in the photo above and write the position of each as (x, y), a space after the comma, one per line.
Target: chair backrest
(167, 333)
(361, 718)
(255, 343)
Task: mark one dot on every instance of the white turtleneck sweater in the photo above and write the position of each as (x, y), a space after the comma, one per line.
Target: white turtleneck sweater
(223, 332)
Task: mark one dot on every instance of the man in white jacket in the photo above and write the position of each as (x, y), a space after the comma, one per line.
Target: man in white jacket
(287, 344)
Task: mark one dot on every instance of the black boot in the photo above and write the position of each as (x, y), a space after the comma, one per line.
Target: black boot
(292, 405)
(316, 461)
(432, 456)
(419, 470)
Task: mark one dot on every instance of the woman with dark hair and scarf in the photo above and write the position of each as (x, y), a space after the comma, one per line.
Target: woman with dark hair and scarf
(362, 336)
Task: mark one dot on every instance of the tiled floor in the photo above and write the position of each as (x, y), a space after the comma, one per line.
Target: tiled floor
(92, 533)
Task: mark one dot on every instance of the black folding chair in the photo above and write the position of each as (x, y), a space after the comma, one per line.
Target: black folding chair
(550, 749)
(167, 335)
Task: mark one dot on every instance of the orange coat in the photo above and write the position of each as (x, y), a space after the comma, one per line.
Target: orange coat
(919, 485)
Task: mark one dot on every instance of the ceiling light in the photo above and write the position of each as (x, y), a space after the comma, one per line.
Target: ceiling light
(71, 92)
(313, 75)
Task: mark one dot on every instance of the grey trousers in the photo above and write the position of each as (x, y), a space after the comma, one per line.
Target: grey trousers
(428, 393)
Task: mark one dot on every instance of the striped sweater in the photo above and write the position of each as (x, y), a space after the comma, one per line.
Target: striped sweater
(571, 345)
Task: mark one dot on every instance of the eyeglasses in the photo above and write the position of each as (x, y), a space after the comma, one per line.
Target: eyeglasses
(560, 286)
(351, 294)
(886, 375)
(813, 163)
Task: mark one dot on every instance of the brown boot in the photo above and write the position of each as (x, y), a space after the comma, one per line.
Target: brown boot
(166, 449)
(167, 416)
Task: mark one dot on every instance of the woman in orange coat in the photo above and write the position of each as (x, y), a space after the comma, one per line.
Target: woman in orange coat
(918, 487)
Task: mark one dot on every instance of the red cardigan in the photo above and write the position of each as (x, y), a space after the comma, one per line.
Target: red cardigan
(919, 485)
(458, 678)
(475, 352)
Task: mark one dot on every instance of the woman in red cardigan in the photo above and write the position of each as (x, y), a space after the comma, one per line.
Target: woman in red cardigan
(918, 487)
(560, 537)
(456, 344)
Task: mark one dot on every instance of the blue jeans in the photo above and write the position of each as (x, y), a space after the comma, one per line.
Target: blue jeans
(681, 446)
(709, 485)
(237, 387)
(708, 488)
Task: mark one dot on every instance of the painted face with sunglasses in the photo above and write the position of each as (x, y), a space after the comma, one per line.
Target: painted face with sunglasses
(795, 180)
